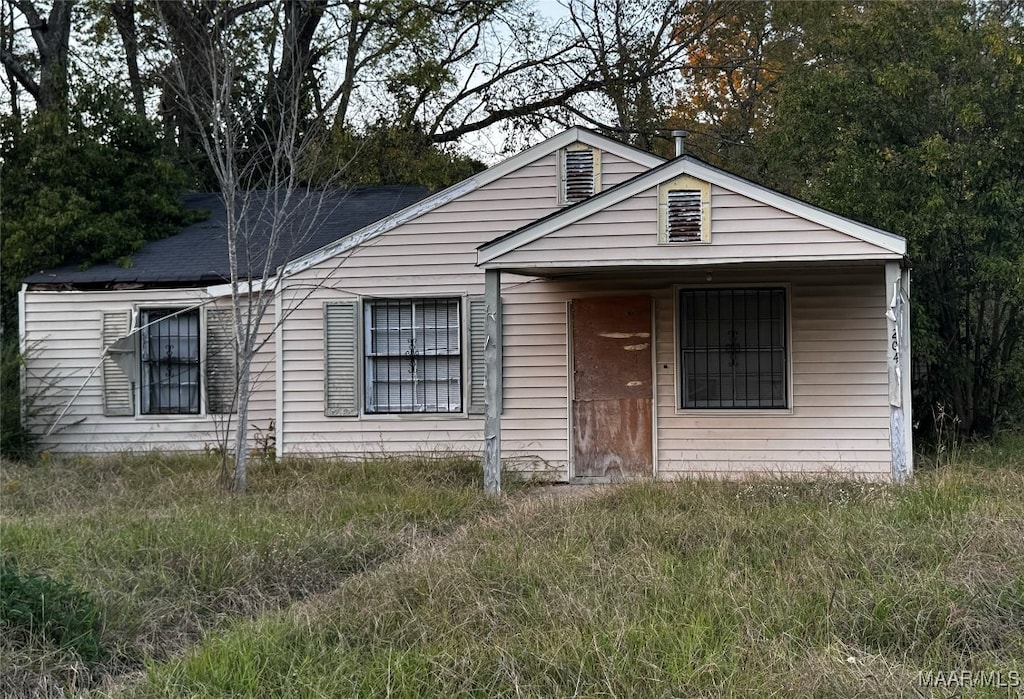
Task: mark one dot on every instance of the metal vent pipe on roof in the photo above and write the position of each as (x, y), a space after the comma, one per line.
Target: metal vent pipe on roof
(680, 136)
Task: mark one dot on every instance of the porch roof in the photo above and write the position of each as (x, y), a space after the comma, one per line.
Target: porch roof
(618, 230)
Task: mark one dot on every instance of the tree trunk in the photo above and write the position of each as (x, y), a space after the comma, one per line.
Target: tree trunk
(124, 17)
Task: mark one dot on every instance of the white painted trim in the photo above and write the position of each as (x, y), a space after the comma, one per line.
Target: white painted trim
(495, 172)
(22, 316)
(680, 262)
(245, 288)
(688, 166)
(570, 366)
(279, 372)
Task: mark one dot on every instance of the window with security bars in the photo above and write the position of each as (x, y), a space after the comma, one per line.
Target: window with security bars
(683, 216)
(577, 175)
(413, 356)
(732, 348)
(169, 354)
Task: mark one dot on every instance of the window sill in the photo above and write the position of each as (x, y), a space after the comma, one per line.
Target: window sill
(734, 412)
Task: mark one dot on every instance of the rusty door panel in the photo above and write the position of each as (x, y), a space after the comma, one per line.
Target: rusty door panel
(612, 387)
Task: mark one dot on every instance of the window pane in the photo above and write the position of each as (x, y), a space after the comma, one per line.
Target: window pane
(170, 361)
(413, 360)
(732, 348)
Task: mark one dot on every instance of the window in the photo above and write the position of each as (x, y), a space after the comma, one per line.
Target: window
(579, 167)
(413, 356)
(732, 348)
(169, 361)
(684, 207)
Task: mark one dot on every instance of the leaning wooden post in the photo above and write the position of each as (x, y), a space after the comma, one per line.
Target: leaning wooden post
(492, 359)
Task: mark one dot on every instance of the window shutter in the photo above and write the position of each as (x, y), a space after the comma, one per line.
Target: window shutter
(221, 361)
(578, 175)
(477, 367)
(340, 360)
(117, 387)
(683, 219)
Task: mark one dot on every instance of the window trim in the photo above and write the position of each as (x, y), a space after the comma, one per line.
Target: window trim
(577, 146)
(688, 183)
(136, 326)
(677, 369)
(462, 298)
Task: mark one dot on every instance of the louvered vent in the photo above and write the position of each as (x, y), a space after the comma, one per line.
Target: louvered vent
(579, 175)
(683, 219)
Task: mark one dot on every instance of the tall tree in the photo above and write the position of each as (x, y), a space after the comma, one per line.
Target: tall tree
(257, 163)
(908, 116)
(44, 73)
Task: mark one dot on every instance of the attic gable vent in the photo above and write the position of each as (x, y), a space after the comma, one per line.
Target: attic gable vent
(683, 216)
(684, 211)
(580, 171)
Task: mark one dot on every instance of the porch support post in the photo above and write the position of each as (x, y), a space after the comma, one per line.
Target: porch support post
(897, 299)
(908, 413)
(493, 362)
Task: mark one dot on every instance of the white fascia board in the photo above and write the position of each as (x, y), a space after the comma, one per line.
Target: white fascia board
(663, 263)
(687, 166)
(245, 288)
(861, 231)
(495, 172)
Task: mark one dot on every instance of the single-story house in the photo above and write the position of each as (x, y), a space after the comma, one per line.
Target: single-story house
(588, 310)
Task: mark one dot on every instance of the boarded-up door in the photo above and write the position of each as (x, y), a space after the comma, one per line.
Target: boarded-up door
(612, 393)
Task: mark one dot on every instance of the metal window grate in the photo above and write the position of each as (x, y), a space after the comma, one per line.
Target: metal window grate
(413, 356)
(170, 362)
(732, 349)
(579, 175)
(683, 219)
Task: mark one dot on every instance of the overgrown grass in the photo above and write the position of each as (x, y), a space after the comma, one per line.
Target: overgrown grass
(698, 588)
(168, 556)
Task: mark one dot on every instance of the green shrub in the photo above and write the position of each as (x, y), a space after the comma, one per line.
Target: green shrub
(52, 610)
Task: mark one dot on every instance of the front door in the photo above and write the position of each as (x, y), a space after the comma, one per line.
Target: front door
(612, 387)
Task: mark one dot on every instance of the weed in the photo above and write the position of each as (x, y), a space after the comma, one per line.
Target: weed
(35, 607)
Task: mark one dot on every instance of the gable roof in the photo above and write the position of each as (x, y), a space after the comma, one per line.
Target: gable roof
(491, 174)
(669, 170)
(199, 253)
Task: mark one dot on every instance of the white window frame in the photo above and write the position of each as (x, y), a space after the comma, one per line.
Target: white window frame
(677, 347)
(140, 312)
(366, 407)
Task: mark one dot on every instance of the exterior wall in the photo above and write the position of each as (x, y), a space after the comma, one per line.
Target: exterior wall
(741, 230)
(63, 338)
(839, 420)
(432, 255)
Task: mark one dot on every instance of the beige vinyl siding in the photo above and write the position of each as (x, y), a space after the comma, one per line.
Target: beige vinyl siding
(741, 230)
(435, 255)
(838, 421)
(615, 170)
(63, 335)
(839, 418)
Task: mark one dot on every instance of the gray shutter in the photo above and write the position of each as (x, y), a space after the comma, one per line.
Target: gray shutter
(221, 361)
(477, 367)
(341, 354)
(117, 387)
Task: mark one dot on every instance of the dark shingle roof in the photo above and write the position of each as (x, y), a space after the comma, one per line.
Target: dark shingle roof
(199, 254)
